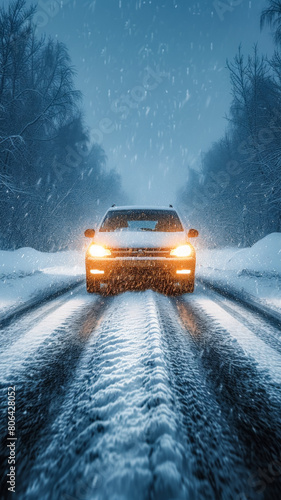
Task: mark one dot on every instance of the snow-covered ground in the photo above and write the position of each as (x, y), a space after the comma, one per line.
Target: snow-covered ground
(27, 274)
(169, 397)
(255, 270)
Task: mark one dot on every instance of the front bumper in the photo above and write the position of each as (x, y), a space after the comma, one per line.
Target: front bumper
(107, 268)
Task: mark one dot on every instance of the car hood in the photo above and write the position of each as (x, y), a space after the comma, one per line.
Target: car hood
(140, 239)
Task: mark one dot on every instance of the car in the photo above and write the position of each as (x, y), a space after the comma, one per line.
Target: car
(140, 247)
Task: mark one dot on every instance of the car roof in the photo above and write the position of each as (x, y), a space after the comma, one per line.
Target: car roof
(141, 207)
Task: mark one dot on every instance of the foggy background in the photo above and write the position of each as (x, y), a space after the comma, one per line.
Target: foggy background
(139, 102)
(153, 129)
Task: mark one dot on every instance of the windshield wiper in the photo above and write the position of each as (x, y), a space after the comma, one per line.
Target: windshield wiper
(146, 229)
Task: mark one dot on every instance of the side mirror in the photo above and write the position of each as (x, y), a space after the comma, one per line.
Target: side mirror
(193, 233)
(90, 233)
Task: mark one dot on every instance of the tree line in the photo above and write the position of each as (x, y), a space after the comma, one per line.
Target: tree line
(236, 196)
(52, 178)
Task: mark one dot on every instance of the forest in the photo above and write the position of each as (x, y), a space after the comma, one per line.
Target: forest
(53, 180)
(235, 196)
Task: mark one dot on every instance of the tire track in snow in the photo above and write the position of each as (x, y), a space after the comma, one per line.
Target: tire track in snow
(259, 326)
(13, 332)
(119, 432)
(31, 340)
(215, 457)
(249, 395)
(147, 410)
(41, 370)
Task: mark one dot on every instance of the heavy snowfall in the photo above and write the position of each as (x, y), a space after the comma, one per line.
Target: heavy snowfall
(137, 394)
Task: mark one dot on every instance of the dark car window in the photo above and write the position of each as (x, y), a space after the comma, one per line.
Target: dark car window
(141, 220)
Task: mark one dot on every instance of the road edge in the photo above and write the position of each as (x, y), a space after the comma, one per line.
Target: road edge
(15, 313)
(243, 298)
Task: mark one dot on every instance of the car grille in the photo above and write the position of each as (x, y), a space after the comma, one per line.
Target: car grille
(140, 252)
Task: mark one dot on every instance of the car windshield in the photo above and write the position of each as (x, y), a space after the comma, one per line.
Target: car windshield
(141, 220)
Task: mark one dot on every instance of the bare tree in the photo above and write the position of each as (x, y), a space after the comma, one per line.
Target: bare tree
(271, 16)
(239, 205)
(48, 180)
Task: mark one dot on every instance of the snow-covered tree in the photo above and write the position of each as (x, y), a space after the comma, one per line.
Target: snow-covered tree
(238, 194)
(48, 168)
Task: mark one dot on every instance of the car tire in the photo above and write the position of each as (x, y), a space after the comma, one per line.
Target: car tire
(93, 286)
(186, 288)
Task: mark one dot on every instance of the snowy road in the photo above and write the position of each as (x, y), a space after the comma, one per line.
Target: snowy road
(142, 396)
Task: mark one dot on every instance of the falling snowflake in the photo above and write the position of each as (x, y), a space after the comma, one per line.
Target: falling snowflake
(91, 4)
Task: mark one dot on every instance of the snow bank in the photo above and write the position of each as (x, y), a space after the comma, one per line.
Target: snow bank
(263, 256)
(27, 261)
(26, 275)
(255, 270)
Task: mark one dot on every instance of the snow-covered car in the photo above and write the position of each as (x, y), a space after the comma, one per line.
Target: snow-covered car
(141, 246)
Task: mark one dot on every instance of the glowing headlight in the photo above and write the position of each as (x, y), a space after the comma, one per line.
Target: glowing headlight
(98, 251)
(182, 251)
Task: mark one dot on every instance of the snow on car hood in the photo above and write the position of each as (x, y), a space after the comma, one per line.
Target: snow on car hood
(140, 239)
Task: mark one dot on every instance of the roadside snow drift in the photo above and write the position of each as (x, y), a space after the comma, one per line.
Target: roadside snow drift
(27, 274)
(263, 256)
(255, 270)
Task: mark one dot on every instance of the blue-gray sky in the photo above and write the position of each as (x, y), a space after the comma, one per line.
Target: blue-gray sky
(154, 79)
